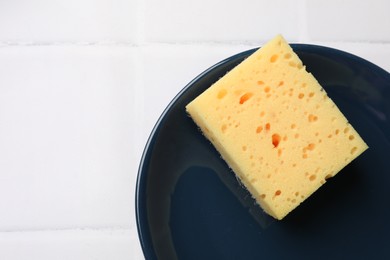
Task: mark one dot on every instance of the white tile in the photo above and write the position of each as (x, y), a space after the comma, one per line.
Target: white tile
(349, 20)
(66, 135)
(218, 20)
(73, 244)
(70, 21)
(169, 68)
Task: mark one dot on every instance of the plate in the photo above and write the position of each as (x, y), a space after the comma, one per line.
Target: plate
(189, 205)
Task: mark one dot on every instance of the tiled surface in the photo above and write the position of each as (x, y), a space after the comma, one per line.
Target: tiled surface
(221, 21)
(83, 82)
(41, 21)
(66, 125)
(69, 244)
(349, 20)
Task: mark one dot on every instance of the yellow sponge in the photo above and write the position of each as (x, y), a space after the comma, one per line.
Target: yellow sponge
(276, 128)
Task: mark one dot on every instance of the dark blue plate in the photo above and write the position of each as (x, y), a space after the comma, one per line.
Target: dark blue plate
(189, 205)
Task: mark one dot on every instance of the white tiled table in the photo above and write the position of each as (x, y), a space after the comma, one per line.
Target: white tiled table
(83, 82)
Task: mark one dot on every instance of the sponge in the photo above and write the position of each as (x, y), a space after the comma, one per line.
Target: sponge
(276, 128)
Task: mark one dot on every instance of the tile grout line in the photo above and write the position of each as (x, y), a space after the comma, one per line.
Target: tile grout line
(141, 43)
(70, 43)
(140, 20)
(304, 29)
(139, 93)
(97, 229)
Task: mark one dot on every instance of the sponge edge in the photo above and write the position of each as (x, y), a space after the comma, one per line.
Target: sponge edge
(276, 128)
